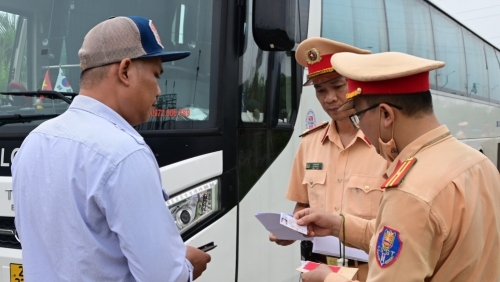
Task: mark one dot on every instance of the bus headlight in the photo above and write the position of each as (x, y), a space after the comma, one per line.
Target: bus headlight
(193, 205)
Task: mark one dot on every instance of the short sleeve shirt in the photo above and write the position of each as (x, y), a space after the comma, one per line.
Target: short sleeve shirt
(328, 176)
(442, 223)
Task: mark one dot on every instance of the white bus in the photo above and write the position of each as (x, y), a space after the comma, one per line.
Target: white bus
(227, 124)
(225, 114)
(466, 97)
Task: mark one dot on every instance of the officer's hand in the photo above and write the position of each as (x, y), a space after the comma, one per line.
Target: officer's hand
(317, 275)
(198, 259)
(320, 274)
(319, 223)
(273, 238)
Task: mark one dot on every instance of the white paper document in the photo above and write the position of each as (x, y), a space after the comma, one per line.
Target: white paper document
(273, 223)
(329, 246)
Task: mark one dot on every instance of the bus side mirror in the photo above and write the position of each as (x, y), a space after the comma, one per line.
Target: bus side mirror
(273, 24)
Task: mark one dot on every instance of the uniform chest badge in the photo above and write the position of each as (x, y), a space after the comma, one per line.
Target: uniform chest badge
(315, 166)
(388, 247)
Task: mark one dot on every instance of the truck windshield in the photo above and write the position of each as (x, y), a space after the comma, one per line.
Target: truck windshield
(39, 43)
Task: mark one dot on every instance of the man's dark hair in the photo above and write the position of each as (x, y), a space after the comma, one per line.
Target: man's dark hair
(414, 105)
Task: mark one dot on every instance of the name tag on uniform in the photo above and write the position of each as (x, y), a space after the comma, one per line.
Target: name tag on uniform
(317, 166)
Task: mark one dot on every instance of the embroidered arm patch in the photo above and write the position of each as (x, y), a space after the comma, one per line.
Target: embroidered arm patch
(388, 247)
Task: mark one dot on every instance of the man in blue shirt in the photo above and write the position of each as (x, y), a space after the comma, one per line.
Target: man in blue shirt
(89, 201)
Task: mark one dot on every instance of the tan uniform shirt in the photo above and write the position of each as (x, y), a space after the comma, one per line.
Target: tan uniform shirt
(328, 176)
(441, 224)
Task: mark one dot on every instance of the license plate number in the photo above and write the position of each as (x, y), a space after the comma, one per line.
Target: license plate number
(16, 272)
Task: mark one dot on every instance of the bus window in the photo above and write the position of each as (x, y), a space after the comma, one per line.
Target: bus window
(477, 76)
(493, 62)
(356, 22)
(285, 90)
(410, 29)
(303, 19)
(253, 77)
(13, 75)
(254, 86)
(45, 37)
(450, 49)
(185, 102)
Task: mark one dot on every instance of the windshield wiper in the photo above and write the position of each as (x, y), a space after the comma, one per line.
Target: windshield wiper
(49, 93)
(17, 118)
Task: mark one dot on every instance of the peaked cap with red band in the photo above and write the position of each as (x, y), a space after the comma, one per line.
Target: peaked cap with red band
(384, 73)
(315, 53)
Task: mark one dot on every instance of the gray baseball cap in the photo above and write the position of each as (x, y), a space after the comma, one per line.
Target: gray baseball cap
(123, 37)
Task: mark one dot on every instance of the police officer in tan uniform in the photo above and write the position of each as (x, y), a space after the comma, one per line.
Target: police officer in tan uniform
(439, 217)
(336, 168)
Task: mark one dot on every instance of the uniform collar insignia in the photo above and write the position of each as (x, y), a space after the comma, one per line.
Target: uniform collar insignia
(325, 134)
(402, 168)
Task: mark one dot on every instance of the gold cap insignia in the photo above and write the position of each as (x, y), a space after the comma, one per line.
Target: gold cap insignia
(313, 56)
(353, 94)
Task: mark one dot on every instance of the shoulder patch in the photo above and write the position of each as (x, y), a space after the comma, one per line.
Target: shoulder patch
(388, 247)
(402, 168)
(319, 126)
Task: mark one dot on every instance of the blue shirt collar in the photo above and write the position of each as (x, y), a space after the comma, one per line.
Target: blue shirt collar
(93, 106)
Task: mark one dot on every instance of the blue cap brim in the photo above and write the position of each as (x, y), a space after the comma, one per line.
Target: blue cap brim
(168, 56)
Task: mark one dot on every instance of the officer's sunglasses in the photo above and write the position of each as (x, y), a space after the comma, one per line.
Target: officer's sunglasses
(355, 117)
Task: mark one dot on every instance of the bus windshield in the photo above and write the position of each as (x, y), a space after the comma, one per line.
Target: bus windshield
(39, 51)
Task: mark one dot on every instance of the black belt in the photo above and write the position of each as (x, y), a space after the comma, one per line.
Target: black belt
(323, 259)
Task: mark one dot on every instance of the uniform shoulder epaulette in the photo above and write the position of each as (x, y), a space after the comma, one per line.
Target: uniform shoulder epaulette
(402, 168)
(317, 127)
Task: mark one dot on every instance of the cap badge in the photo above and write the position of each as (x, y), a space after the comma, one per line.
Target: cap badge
(313, 56)
(155, 32)
(353, 94)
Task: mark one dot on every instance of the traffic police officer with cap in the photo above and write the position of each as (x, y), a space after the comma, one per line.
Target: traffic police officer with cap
(439, 217)
(336, 168)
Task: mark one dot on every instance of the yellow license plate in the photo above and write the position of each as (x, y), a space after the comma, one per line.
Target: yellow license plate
(16, 272)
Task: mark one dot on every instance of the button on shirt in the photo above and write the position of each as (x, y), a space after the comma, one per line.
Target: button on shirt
(89, 202)
(445, 214)
(337, 179)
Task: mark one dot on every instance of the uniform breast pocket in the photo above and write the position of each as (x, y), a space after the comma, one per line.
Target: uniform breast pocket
(316, 190)
(362, 196)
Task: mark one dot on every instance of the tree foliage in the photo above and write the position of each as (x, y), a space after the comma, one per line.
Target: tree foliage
(7, 38)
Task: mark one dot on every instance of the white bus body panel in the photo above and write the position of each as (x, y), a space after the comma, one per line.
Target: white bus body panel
(7, 257)
(260, 259)
(185, 174)
(6, 200)
(190, 172)
(223, 234)
(472, 121)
